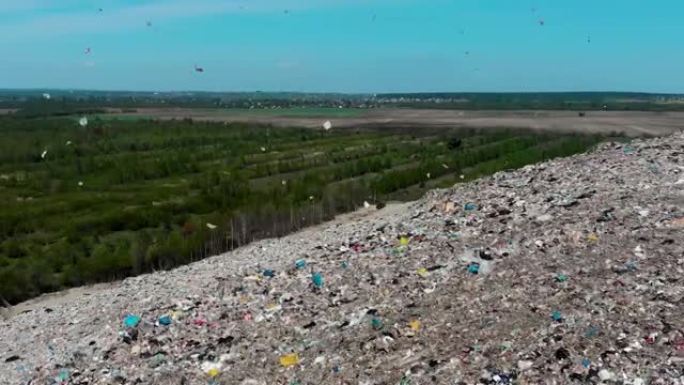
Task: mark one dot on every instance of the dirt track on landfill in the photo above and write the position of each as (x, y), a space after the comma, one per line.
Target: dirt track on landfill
(634, 123)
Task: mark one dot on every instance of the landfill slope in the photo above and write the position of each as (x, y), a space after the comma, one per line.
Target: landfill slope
(570, 271)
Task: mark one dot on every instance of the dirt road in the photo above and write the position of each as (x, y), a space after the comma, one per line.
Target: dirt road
(632, 123)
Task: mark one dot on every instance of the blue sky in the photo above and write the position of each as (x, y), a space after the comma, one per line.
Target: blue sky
(344, 45)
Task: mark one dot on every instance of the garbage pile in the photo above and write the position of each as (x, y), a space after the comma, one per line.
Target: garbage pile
(570, 271)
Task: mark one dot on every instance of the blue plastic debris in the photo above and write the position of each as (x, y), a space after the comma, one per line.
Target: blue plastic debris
(317, 279)
(474, 268)
(470, 206)
(300, 263)
(557, 316)
(586, 363)
(376, 323)
(131, 321)
(165, 320)
(344, 264)
(269, 273)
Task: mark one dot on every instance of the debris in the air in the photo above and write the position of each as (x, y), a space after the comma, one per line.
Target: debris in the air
(46, 96)
(462, 176)
(327, 125)
(445, 166)
(68, 143)
(149, 23)
(263, 149)
(283, 182)
(311, 197)
(427, 175)
(80, 183)
(198, 69)
(87, 51)
(541, 22)
(44, 154)
(83, 121)
(211, 226)
(366, 204)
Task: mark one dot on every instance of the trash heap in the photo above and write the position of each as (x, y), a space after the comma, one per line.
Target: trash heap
(570, 271)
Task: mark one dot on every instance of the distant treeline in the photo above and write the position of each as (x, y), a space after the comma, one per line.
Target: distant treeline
(34, 103)
(119, 198)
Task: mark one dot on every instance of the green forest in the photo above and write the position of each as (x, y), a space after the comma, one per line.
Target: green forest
(84, 204)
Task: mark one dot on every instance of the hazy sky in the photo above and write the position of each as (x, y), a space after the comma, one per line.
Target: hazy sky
(344, 45)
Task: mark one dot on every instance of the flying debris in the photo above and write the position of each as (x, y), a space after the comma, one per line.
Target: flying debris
(198, 69)
(80, 183)
(589, 39)
(211, 226)
(366, 204)
(149, 23)
(446, 167)
(83, 121)
(68, 143)
(263, 149)
(284, 182)
(462, 176)
(46, 96)
(87, 51)
(427, 175)
(44, 154)
(327, 125)
(100, 9)
(541, 22)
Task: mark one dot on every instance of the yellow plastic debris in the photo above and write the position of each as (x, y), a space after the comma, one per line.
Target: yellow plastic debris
(288, 360)
(213, 372)
(423, 272)
(404, 241)
(593, 237)
(414, 325)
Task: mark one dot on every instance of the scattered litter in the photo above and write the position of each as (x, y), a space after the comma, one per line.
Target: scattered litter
(317, 279)
(470, 206)
(269, 273)
(415, 325)
(514, 291)
(288, 360)
(474, 268)
(46, 96)
(83, 121)
(211, 226)
(327, 125)
(131, 321)
(561, 278)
